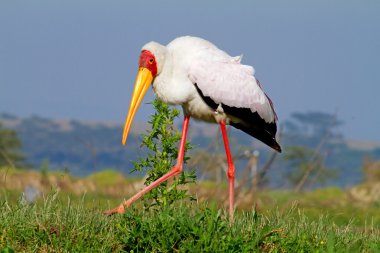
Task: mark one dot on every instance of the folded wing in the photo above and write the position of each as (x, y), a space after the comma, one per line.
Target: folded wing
(232, 84)
(234, 87)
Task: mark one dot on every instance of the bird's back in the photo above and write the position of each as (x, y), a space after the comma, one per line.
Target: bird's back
(192, 47)
(221, 79)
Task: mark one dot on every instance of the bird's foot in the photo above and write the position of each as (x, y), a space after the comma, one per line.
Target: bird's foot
(120, 209)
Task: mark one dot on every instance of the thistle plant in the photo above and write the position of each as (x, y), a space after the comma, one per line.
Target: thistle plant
(161, 142)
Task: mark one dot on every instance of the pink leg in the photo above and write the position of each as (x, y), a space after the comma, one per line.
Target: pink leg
(174, 171)
(231, 169)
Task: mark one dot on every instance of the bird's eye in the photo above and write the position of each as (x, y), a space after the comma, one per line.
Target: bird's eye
(151, 61)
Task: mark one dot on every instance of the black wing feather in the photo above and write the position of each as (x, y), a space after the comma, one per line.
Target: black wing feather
(253, 124)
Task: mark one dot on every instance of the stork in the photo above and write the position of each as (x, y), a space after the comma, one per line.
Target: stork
(210, 85)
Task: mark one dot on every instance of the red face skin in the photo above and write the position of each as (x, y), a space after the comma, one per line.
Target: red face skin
(147, 60)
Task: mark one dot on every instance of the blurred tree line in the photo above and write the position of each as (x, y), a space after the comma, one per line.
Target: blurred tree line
(10, 148)
(77, 147)
(315, 153)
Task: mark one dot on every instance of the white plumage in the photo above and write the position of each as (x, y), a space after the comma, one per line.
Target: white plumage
(189, 60)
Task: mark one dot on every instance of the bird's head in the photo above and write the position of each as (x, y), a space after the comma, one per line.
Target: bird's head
(151, 62)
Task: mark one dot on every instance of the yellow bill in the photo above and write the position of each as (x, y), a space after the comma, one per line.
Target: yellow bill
(143, 80)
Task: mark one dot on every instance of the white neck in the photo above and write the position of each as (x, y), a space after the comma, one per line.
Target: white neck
(172, 86)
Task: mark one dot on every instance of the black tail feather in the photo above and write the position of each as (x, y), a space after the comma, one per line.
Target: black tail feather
(260, 134)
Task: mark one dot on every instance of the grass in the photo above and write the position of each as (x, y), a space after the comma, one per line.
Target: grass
(55, 226)
(323, 220)
(332, 202)
(59, 224)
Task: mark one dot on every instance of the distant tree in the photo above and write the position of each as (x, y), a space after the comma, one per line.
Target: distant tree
(310, 127)
(310, 137)
(371, 169)
(307, 167)
(10, 148)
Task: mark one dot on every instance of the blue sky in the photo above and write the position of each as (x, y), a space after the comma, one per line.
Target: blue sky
(78, 59)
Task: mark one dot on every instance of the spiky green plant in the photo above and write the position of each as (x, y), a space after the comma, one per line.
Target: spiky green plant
(161, 142)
